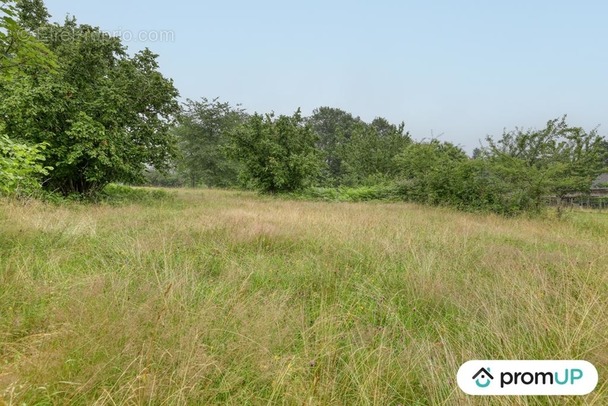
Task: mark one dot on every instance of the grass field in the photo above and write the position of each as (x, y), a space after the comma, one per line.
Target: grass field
(217, 297)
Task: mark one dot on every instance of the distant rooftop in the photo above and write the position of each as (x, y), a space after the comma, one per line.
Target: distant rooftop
(600, 182)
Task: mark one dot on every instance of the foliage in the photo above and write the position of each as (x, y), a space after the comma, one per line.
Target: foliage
(369, 155)
(20, 167)
(19, 49)
(334, 128)
(355, 152)
(604, 148)
(387, 192)
(104, 115)
(170, 178)
(477, 186)
(204, 134)
(121, 194)
(32, 14)
(512, 175)
(278, 154)
(21, 164)
(426, 170)
(556, 160)
(440, 173)
(73, 100)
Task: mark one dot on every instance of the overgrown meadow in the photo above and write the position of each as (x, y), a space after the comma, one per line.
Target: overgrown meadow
(217, 297)
(117, 296)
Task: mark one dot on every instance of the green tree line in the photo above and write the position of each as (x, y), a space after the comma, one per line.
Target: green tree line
(511, 174)
(78, 112)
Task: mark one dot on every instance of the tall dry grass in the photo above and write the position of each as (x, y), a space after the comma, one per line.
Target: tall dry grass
(230, 298)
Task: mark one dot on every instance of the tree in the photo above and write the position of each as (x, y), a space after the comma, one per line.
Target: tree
(369, 154)
(427, 170)
(19, 49)
(604, 147)
(353, 151)
(20, 164)
(556, 160)
(334, 128)
(204, 134)
(104, 115)
(32, 14)
(278, 154)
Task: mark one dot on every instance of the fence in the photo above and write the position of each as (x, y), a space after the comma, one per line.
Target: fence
(597, 199)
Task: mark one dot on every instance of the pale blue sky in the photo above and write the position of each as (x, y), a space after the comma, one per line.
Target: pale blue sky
(463, 68)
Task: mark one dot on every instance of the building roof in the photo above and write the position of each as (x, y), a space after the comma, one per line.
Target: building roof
(601, 182)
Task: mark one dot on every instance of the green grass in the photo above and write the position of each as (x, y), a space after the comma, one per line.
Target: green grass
(212, 297)
(351, 194)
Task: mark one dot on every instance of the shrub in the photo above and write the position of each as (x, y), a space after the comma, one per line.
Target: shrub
(121, 194)
(278, 154)
(354, 194)
(20, 167)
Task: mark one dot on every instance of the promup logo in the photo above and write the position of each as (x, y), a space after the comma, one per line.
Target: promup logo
(527, 378)
(483, 375)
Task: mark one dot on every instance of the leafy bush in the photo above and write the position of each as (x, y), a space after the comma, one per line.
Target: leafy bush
(555, 161)
(480, 185)
(358, 194)
(277, 154)
(511, 176)
(20, 167)
(120, 194)
(427, 171)
(367, 193)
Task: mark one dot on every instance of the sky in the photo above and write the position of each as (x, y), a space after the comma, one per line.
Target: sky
(453, 70)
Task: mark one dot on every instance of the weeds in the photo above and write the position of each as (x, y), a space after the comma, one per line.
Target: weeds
(231, 298)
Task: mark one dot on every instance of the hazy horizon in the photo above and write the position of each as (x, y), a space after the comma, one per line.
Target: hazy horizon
(458, 71)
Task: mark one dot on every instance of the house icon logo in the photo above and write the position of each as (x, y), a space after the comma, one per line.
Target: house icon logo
(483, 378)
